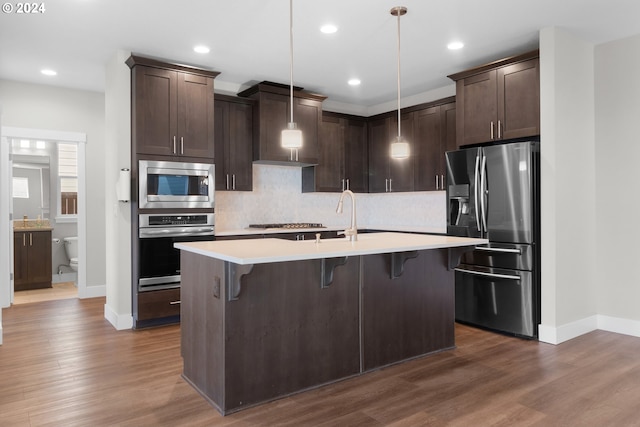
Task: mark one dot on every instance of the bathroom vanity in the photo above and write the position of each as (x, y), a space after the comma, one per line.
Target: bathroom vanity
(262, 319)
(32, 255)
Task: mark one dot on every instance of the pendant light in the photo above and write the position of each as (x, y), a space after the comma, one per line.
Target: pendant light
(291, 137)
(399, 147)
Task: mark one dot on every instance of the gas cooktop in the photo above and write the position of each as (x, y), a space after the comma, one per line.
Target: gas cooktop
(288, 225)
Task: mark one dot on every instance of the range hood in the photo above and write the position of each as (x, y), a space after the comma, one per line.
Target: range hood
(271, 117)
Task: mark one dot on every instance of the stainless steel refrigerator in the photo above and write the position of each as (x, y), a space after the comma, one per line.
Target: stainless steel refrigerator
(493, 192)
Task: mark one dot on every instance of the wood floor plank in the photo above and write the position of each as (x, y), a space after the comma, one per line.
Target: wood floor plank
(63, 364)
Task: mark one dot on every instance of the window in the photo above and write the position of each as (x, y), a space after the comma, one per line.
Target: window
(68, 178)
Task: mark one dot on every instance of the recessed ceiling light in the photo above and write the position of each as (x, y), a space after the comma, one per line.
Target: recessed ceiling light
(329, 29)
(354, 82)
(201, 49)
(455, 45)
(48, 72)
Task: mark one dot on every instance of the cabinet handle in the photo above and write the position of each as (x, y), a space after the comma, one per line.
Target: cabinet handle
(492, 129)
(24, 239)
(442, 182)
(227, 187)
(436, 182)
(175, 302)
(386, 185)
(499, 133)
(181, 145)
(30, 239)
(233, 181)
(348, 184)
(390, 189)
(342, 181)
(174, 144)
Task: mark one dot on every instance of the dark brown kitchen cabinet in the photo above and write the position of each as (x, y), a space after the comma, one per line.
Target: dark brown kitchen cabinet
(32, 260)
(435, 134)
(158, 304)
(342, 164)
(233, 143)
(498, 101)
(387, 174)
(172, 109)
(272, 113)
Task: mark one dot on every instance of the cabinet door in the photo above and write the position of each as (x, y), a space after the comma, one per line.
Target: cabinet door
(221, 141)
(20, 259)
(308, 116)
(39, 259)
(448, 141)
(240, 146)
(477, 108)
(273, 118)
(195, 116)
(427, 149)
(379, 153)
(356, 156)
(329, 173)
(401, 170)
(155, 110)
(519, 100)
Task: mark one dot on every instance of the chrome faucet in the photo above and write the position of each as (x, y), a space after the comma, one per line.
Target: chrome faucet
(352, 231)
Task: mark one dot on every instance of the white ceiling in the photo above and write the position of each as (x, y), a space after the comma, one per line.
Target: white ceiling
(249, 39)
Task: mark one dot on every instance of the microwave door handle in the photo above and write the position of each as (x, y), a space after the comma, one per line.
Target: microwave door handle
(475, 193)
(483, 183)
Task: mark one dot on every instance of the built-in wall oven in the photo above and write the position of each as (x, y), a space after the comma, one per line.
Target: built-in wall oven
(159, 261)
(175, 185)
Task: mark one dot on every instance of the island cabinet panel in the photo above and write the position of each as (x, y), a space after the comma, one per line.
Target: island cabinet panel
(284, 332)
(410, 315)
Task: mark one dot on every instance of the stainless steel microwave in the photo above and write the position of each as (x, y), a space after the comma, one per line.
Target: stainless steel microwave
(164, 184)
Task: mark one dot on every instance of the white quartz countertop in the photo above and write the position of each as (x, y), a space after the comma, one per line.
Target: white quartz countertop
(259, 251)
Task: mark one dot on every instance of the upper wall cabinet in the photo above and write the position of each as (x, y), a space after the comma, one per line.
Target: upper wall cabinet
(387, 174)
(234, 143)
(435, 134)
(272, 113)
(342, 164)
(172, 109)
(498, 101)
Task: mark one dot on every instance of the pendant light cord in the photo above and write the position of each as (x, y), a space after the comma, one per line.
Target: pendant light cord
(291, 55)
(399, 135)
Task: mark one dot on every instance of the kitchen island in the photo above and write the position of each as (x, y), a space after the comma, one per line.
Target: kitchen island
(262, 319)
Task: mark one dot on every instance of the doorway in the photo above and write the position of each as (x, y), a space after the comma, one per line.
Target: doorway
(24, 151)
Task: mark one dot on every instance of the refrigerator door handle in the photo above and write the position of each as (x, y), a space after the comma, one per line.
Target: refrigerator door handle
(475, 192)
(493, 275)
(483, 176)
(502, 250)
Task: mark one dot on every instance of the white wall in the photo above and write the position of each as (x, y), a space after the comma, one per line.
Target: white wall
(67, 110)
(118, 214)
(567, 186)
(617, 93)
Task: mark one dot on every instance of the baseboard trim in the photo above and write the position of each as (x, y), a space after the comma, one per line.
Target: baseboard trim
(119, 321)
(92, 291)
(560, 334)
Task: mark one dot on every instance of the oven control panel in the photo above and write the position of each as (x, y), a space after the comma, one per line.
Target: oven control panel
(165, 220)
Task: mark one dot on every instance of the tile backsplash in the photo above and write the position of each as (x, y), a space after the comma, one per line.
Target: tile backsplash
(277, 198)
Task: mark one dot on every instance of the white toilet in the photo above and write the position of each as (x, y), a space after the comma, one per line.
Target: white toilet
(71, 247)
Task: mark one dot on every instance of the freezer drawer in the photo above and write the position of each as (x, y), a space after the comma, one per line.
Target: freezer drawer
(501, 255)
(497, 299)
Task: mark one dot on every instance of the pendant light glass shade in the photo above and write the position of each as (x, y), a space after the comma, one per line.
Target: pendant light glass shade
(399, 147)
(291, 137)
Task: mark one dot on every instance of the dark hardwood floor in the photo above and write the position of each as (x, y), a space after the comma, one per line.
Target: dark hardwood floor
(63, 364)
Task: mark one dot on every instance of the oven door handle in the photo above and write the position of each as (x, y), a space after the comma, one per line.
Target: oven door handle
(177, 232)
